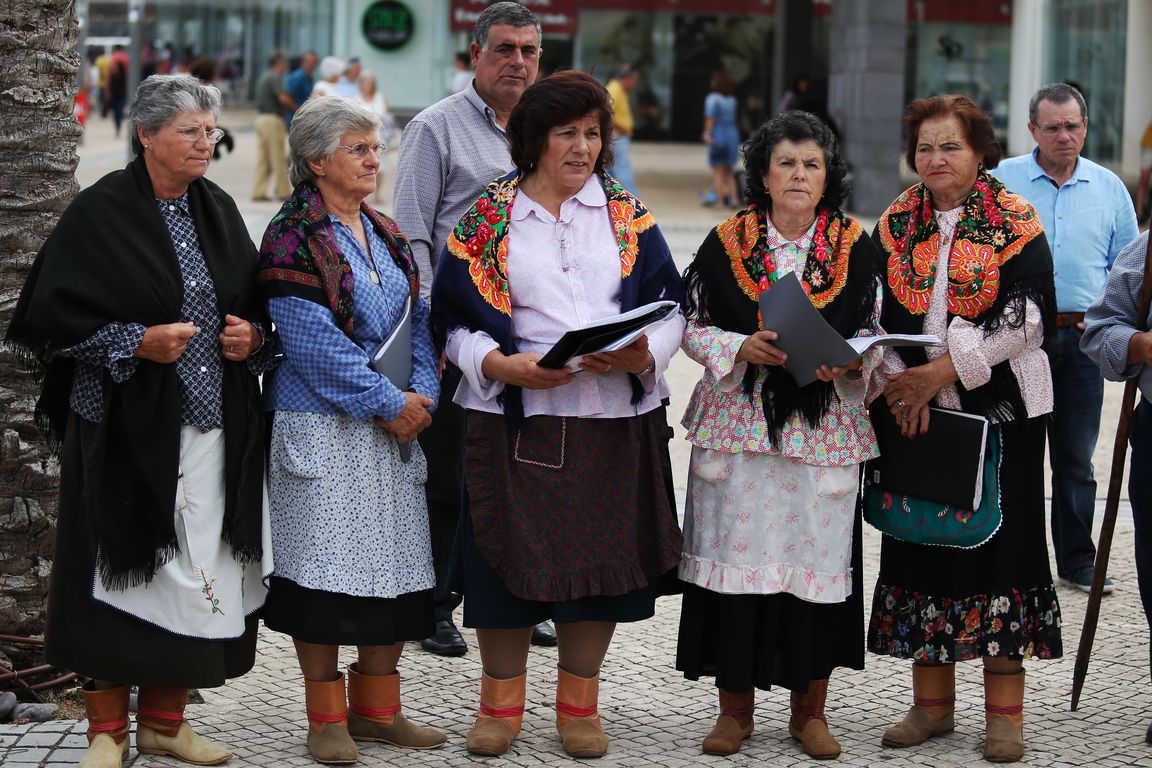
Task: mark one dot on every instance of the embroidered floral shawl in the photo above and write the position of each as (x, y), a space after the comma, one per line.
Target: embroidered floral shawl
(299, 255)
(734, 266)
(471, 287)
(999, 261)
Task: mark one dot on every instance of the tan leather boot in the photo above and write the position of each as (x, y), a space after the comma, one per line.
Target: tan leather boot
(328, 739)
(734, 724)
(499, 717)
(1004, 716)
(374, 713)
(162, 730)
(577, 718)
(933, 706)
(808, 724)
(107, 727)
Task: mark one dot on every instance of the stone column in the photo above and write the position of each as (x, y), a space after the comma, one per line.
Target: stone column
(866, 96)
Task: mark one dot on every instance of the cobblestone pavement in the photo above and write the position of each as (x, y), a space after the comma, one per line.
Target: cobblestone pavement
(652, 716)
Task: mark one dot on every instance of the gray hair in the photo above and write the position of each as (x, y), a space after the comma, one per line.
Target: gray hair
(161, 98)
(316, 130)
(331, 66)
(1057, 93)
(504, 14)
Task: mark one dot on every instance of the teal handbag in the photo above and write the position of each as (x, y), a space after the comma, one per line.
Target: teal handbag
(917, 521)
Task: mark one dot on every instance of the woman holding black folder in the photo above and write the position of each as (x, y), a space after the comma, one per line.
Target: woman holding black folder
(992, 305)
(567, 516)
(772, 557)
(353, 560)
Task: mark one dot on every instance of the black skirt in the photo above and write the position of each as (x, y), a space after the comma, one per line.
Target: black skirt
(944, 604)
(90, 638)
(758, 641)
(333, 618)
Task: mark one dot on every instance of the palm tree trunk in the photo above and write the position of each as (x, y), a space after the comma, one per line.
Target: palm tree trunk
(38, 159)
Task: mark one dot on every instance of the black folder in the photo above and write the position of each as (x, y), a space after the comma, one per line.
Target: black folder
(604, 335)
(944, 465)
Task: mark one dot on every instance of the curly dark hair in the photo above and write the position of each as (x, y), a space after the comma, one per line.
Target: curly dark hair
(977, 126)
(556, 100)
(794, 126)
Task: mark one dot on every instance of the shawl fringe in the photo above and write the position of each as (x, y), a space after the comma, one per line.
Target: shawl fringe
(722, 286)
(1002, 229)
(111, 259)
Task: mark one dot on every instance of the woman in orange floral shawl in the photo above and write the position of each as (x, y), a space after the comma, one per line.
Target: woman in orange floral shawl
(995, 602)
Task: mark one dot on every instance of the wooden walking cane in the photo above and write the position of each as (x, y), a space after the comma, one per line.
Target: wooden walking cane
(1111, 506)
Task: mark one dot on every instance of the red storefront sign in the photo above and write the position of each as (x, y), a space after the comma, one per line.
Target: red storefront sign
(561, 17)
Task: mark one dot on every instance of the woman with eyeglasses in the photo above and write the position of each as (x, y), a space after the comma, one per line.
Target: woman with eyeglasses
(141, 315)
(346, 475)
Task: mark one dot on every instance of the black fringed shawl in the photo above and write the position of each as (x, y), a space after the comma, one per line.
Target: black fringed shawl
(725, 279)
(111, 259)
(999, 261)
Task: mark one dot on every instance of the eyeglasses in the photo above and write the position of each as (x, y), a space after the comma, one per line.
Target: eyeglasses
(193, 133)
(361, 151)
(1054, 129)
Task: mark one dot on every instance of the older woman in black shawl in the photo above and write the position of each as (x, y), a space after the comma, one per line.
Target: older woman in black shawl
(772, 550)
(140, 313)
(967, 260)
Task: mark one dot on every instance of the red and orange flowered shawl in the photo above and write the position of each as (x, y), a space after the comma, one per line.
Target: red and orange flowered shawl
(734, 266)
(999, 260)
(471, 286)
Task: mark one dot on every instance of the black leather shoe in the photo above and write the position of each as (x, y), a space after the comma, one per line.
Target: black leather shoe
(446, 642)
(543, 634)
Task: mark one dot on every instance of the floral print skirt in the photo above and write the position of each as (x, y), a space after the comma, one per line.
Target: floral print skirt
(942, 604)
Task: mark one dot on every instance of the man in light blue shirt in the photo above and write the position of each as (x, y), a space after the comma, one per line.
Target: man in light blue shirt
(1088, 218)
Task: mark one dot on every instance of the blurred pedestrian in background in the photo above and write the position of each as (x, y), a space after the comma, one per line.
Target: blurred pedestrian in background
(272, 103)
(723, 139)
(626, 79)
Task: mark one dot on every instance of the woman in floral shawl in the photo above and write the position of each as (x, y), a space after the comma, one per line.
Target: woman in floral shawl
(772, 559)
(346, 476)
(938, 605)
(567, 514)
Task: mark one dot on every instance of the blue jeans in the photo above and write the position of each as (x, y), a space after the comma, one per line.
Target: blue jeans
(1072, 432)
(622, 166)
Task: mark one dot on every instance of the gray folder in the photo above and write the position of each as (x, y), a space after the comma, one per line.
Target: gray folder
(393, 361)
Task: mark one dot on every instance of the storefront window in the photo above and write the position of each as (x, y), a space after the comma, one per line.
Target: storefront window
(678, 52)
(1086, 45)
(969, 56)
(239, 36)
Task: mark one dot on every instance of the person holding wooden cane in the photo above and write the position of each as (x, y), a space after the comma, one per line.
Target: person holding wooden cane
(1116, 339)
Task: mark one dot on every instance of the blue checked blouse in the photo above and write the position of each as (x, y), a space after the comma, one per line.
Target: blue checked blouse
(323, 370)
(199, 368)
